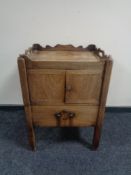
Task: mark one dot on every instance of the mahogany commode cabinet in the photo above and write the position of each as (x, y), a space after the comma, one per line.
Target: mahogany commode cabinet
(64, 86)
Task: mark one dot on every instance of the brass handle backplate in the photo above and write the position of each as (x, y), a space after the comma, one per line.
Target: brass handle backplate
(64, 115)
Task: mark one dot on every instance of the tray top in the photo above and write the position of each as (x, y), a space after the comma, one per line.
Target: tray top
(63, 57)
(69, 56)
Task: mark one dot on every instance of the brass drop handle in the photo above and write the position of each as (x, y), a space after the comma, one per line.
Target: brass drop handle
(61, 115)
(58, 115)
(71, 114)
(64, 115)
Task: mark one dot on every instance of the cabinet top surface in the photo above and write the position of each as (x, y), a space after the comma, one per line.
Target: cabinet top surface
(69, 56)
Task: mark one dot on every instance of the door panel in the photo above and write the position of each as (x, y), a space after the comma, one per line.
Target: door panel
(83, 86)
(46, 86)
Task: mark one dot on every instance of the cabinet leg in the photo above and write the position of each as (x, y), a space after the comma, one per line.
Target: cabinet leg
(31, 135)
(96, 137)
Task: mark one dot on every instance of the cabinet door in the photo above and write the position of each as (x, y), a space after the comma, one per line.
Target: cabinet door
(46, 86)
(83, 86)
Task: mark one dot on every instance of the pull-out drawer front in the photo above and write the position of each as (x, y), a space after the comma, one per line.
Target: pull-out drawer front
(47, 115)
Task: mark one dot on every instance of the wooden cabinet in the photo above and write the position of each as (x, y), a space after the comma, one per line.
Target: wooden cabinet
(64, 86)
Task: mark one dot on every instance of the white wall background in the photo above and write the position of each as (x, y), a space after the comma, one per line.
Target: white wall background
(107, 23)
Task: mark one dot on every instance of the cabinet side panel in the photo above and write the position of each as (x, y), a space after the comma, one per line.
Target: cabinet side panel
(26, 100)
(25, 91)
(103, 97)
(104, 90)
(23, 81)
